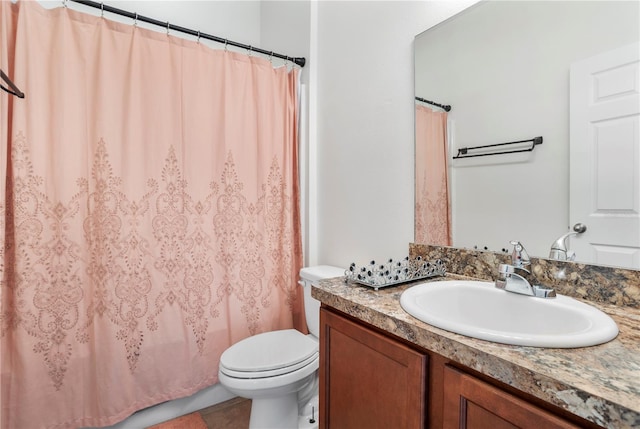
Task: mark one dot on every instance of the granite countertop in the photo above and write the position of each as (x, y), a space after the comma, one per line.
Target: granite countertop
(600, 383)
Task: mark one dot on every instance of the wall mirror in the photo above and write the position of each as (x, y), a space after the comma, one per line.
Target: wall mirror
(504, 67)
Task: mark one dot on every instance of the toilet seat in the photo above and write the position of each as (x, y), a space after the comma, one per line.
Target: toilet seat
(269, 373)
(269, 354)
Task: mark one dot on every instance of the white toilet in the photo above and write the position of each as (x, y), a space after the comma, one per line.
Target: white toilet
(278, 370)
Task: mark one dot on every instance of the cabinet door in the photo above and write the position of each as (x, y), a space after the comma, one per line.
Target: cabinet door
(471, 403)
(368, 380)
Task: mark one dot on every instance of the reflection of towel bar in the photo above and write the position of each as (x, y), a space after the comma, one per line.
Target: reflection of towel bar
(463, 152)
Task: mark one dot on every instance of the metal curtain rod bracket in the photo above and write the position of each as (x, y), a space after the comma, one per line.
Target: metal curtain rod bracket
(446, 107)
(200, 35)
(14, 89)
(464, 152)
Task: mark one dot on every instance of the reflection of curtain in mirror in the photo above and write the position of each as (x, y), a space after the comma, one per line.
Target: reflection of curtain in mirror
(149, 214)
(432, 208)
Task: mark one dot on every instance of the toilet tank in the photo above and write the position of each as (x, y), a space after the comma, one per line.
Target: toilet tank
(309, 276)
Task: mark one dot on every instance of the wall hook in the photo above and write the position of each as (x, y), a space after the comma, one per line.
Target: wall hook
(14, 89)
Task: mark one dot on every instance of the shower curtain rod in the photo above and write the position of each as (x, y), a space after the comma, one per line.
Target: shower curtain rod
(103, 7)
(446, 107)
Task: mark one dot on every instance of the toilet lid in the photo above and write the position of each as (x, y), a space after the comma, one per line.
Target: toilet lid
(269, 351)
(313, 360)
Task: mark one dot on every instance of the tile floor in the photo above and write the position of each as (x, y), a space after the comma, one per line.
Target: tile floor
(231, 414)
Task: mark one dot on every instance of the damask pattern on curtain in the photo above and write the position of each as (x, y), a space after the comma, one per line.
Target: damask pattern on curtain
(149, 214)
(432, 202)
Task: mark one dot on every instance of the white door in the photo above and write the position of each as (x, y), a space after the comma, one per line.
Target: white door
(605, 157)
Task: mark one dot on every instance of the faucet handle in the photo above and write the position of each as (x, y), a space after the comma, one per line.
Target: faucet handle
(519, 256)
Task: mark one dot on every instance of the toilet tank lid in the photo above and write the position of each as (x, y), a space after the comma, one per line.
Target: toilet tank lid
(321, 272)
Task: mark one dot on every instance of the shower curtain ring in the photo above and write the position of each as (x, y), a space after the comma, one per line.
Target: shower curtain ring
(135, 20)
(168, 28)
(64, 3)
(225, 44)
(249, 50)
(271, 57)
(101, 9)
(198, 37)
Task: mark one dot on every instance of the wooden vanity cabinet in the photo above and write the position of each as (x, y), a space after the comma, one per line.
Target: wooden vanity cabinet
(368, 379)
(470, 403)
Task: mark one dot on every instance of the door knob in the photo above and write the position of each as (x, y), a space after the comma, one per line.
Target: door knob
(579, 228)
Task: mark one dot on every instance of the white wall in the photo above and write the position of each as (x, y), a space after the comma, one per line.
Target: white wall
(239, 21)
(365, 126)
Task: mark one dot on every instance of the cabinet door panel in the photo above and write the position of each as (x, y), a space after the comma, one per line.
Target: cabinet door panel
(470, 403)
(368, 380)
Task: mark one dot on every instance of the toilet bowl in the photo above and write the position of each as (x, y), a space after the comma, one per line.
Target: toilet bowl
(278, 370)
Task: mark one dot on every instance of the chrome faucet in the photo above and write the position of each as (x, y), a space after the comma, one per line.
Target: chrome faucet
(559, 247)
(515, 277)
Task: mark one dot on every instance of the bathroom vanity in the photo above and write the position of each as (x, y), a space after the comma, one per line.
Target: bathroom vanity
(374, 380)
(380, 367)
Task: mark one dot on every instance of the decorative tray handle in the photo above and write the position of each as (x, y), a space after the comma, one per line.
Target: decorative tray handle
(393, 273)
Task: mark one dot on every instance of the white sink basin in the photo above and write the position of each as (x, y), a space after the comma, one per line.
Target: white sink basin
(479, 310)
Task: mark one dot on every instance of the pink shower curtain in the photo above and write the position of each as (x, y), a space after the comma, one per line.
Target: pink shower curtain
(149, 219)
(432, 206)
